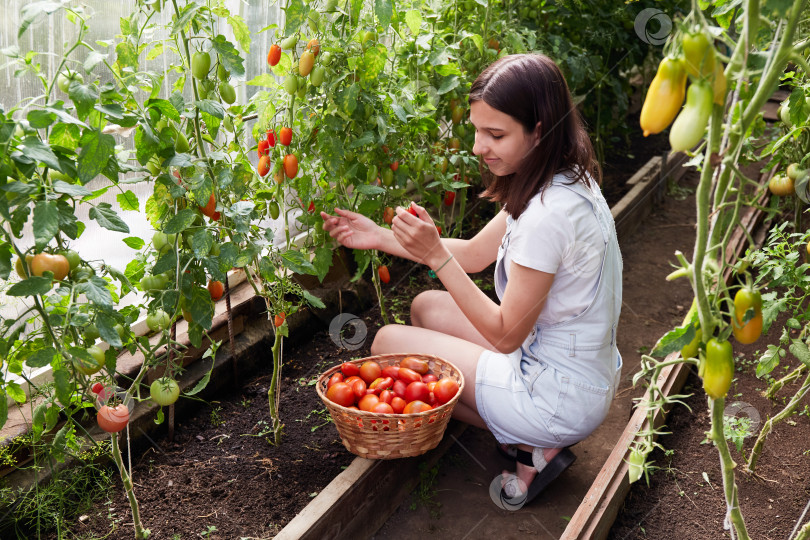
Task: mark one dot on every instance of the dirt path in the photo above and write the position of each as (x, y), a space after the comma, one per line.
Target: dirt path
(453, 499)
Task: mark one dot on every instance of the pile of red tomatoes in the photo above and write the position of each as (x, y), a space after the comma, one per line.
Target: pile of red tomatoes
(403, 388)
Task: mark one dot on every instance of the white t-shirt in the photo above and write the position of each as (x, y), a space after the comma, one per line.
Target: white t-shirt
(557, 233)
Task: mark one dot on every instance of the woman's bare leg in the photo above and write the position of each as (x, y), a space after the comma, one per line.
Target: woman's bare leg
(436, 310)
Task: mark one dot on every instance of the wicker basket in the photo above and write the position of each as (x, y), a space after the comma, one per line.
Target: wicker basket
(391, 436)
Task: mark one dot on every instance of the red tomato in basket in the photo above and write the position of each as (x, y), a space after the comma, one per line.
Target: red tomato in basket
(431, 385)
(359, 387)
(398, 404)
(336, 378)
(429, 378)
(416, 407)
(399, 388)
(387, 396)
(341, 393)
(367, 402)
(382, 407)
(417, 391)
(445, 390)
(382, 383)
(432, 400)
(391, 371)
(409, 376)
(370, 370)
(349, 369)
(411, 362)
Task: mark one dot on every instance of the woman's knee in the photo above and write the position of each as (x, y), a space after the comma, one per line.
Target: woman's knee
(424, 307)
(384, 339)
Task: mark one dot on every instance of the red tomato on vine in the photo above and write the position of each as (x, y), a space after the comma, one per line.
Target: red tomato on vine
(263, 148)
(291, 165)
(285, 136)
(385, 276)
(274, 55)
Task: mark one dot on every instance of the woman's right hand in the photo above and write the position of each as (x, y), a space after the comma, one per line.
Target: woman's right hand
(353, 230)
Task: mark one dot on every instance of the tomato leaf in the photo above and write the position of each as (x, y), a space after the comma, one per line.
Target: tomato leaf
(46, 223)
(363, 140)
(413, 19)
(41, 358)
(800, 350)
(357, 7)
(228, 55)
(312, 300)
(322, 261)
(165, 263)
(201, 243)
(127, 201)
(35, 150)
(106, 329)
(769, 360)
(202, 383)
(97, 292)
(240, 31)
(31, 286)
(181, 221)
(16, 392)
(295, 261)
(134, 242)
(74, 190)
(186, 15)
(40, 119)
(97, 149)
(674, 340)
(38, 422)
(61, 378)
(108, 218)
(3, 408)
(373, 63)
(84, 97)
(5, 265)
(448, 84)
(384, 11)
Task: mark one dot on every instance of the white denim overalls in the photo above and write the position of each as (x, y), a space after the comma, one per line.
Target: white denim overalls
(561, 381)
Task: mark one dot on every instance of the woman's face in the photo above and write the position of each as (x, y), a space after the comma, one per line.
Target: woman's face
(500, 139)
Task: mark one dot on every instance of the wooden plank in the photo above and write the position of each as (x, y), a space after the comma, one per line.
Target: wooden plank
(637, 203)
(361, 498)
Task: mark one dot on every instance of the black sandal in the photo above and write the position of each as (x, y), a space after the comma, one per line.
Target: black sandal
(542, 479)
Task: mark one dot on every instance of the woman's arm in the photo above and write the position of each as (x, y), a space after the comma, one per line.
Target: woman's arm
(506, 325)
(358, 232)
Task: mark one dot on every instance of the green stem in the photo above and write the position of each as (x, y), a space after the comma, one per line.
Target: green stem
(378, 288)
(140, 532)
(768, 426)
(727, 466)
(789, 378)
(273, 391)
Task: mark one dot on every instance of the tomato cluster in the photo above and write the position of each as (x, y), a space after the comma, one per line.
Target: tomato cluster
(403, 388)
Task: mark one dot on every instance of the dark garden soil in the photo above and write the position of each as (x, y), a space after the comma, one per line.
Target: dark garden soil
(221, 476)
(685, 500)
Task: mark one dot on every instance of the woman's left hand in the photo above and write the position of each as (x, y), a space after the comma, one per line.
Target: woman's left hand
(418, 235)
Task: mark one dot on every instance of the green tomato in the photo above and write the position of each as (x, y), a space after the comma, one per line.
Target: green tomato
(369, 38)
(419, 163)
(158, 321)
(90, 367)
(91, 332)
(222, 73)
(331, 6)
(291, 84)
(784, 115)
(274, 209)
(388, 177)
(164, 391)
(63, 80)
(228, 123)
(317, 75)
(326, 58)
(163, 242)
(73, 258)
(200, 65)
(718, 369)
(153, 166)
(227, 93)
(302, 91)
(690, 125)
(181, 145)
(289, 43)
(154, 283)
(119, 330)
(214, 249)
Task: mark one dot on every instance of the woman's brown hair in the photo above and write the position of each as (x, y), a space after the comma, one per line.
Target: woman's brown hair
(531, 89)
